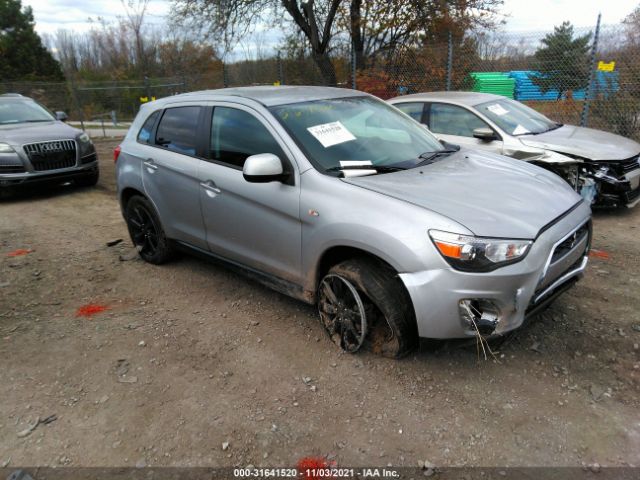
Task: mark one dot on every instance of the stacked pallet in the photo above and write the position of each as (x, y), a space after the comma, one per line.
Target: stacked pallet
(498, 83)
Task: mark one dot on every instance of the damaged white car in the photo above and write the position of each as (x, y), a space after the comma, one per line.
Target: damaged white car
(603, 167)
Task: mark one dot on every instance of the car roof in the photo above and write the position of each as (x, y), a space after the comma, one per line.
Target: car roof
(463, 98)
(267, 95)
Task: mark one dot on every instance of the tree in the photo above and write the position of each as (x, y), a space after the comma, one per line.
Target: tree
(563, 61)
(382, 27)
(232, 19)
(22, 54)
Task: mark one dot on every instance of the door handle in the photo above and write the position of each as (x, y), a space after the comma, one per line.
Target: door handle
(210, 186)
(151, 164)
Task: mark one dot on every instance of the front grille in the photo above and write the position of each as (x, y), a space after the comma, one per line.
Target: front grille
(632, 195)
(629, 165)
(566, 255)
(567, 245)
(51, 155)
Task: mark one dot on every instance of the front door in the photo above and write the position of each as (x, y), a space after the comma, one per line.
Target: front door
(255, 224)
(455, 124)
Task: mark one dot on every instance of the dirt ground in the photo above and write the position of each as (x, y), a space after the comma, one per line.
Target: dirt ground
(192, 365)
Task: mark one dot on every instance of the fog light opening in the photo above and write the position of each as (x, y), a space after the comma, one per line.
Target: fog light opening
(481, 317)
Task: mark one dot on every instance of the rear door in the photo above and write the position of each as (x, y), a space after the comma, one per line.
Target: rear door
(255, 224)
(455, 124)
(170, 172)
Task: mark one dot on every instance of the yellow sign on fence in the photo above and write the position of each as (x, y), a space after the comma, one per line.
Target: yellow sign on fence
(606, 67)
(146, 99)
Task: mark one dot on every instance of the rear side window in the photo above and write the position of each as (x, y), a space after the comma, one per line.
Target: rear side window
(177, 130)
(147, 129)
(414, 110)
(236, 135)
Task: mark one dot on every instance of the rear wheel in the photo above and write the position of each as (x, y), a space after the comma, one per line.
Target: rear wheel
(146, 231)
(362, 302)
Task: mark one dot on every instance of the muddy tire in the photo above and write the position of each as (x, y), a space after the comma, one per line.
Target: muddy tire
(391, 325)
(146, 231)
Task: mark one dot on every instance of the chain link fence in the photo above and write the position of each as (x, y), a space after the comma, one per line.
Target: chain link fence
(588, 76)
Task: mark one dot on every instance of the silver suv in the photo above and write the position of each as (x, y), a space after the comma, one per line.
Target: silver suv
(36, 146)
(339, 199)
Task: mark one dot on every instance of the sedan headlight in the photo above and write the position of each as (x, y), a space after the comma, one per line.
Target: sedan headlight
(6, 148)
(476, 254)
(84, 138)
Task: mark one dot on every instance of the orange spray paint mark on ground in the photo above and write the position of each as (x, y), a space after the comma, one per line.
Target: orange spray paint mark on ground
(307, 465)
(598, 254)
(19, 252)
(90, 310)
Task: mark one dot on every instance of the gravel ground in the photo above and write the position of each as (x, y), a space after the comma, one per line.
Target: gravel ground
(192, 365)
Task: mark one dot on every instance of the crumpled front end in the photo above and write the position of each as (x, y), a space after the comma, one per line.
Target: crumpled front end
(453, 304)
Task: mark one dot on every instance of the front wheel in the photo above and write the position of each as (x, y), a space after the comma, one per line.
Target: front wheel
(362, 302)
(146, 231)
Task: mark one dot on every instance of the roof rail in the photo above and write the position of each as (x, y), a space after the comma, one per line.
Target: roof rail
(11, 95)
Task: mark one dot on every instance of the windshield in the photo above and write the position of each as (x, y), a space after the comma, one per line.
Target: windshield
(516, 118)
(22, 112)
(361, 129)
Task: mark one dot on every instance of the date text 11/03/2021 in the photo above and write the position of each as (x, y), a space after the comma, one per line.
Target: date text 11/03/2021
(316, 472)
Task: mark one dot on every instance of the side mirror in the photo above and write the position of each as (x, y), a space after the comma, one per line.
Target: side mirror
(485, 134)
(60, 115)
(263, 168)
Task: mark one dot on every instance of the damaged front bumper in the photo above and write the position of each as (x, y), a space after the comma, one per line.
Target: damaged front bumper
(617, 183)
(454, 304)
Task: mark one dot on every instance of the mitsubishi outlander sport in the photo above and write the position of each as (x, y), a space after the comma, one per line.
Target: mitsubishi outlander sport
(339, 199)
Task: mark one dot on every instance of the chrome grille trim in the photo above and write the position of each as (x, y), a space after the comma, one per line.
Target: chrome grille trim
(52, 154)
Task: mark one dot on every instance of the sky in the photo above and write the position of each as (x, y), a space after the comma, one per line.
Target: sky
(520, 15)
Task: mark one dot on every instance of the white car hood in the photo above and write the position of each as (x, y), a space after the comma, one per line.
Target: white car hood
(583, 142)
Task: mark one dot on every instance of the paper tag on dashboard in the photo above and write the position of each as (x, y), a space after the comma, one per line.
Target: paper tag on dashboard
(497, 109)
(329, 134)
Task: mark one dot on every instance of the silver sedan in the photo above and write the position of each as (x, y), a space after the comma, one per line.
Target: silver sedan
(603, 167)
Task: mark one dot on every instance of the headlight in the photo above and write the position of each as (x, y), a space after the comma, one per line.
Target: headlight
(6, 148)
(474, 254)
(84, 138)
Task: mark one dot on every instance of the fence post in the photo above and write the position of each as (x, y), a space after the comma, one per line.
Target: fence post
(280, 72)
(584, 118)
(449, 61)
(353, 66)
(147, 88)
(74, 96)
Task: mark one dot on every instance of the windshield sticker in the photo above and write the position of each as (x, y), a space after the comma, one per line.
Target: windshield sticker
(497, 109)
(355, 163)
(329, 134)
(519, 130)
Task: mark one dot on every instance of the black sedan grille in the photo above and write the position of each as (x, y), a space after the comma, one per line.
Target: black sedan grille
(629, 165)
(51, 155)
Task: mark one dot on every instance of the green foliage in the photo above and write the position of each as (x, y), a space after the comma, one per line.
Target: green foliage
(563, 61)
(22, 55)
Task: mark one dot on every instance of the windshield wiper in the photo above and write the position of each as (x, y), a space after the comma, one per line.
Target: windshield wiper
(378, 168)
(35, 121)
(430, 157)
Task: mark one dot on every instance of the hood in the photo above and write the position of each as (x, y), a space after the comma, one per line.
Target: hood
(584, 142)
(491, 195)
(21, 133)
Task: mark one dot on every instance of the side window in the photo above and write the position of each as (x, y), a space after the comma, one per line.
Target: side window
(453, 120)
(236, 135)
(177, 130)
(414, 110)
(145, 132)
